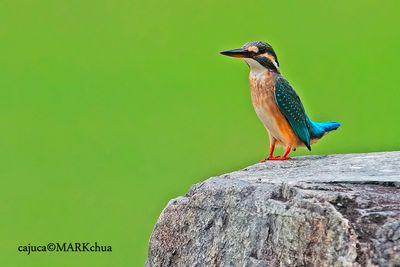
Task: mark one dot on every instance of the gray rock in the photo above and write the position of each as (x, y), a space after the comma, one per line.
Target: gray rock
(337, 210)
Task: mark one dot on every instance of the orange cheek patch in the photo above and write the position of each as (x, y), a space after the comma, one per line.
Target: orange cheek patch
(270, 57)
(253, 49)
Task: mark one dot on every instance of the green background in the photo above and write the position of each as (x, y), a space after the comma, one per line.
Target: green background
(108, 109)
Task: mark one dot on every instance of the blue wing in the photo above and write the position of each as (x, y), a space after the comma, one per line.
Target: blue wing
(291, 107)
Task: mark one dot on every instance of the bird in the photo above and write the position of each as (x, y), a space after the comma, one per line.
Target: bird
(276, 103)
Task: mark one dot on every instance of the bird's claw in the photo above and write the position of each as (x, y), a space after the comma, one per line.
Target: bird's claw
(284, 158)
(274, 158)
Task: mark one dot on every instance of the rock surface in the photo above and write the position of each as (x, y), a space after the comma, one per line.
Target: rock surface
(337, 210)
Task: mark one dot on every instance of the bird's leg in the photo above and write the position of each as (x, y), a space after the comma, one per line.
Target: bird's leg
(271, 151)
(286, 153)
(284, 156)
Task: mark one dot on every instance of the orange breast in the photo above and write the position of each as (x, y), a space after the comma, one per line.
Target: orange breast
(263, 98)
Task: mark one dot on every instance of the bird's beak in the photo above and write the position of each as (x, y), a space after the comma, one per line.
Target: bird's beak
(240, 53)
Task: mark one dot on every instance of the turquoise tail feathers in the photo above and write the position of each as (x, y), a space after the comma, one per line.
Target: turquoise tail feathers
(318, 129)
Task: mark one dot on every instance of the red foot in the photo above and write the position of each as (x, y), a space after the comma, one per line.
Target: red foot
(275, 158)
(284, 158)
(271, 152)
(278, 158)
(269, 158)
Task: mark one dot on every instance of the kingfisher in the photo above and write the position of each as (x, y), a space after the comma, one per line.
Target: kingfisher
(276, 103)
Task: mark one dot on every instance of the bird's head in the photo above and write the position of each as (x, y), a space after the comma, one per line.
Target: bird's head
(257, 55)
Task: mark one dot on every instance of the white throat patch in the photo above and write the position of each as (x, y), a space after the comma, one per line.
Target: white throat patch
(256, 69)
